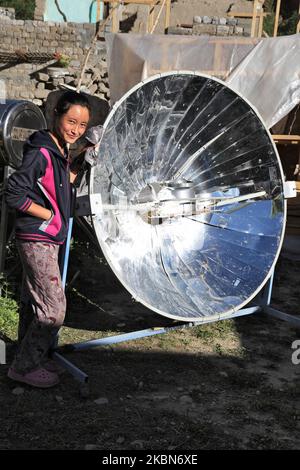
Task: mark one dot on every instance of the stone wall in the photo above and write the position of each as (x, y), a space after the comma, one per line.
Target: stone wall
(23, 80)
(215, 26)
(7, 13)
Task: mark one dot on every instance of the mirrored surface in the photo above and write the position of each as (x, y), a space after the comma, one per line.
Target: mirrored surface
(188, 197)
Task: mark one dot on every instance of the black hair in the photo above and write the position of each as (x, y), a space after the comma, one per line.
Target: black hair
(70, 98)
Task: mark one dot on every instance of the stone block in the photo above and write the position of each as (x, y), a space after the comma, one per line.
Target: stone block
(222, 30)
(207, 19)
(24, 93)
(40, 86)
(69, 80)
(180, 31)
(238, 30)
(205, 29)
(197, 19)
(103, 88)
(222, 21)
(232, 21)
(37, 102)
(75, 63)
(93, 88)
(41, 94)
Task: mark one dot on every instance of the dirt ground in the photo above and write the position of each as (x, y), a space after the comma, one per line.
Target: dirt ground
(227, 385)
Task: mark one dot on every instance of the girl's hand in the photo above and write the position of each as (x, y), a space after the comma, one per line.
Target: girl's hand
(39, 211)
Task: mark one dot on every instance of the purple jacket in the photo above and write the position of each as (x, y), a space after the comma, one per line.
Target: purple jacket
(43, 178)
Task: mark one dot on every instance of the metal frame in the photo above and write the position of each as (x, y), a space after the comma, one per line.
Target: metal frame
(260, 304)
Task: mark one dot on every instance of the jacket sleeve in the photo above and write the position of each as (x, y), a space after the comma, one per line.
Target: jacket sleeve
(24, 180)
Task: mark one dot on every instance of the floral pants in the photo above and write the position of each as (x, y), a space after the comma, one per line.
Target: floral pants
(43, 304)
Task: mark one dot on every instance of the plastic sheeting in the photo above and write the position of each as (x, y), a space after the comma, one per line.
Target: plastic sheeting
(265, 71)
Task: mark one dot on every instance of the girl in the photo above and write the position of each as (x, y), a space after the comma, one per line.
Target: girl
(40, 191)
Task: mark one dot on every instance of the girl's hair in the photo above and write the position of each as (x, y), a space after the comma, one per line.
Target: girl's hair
(68, 99)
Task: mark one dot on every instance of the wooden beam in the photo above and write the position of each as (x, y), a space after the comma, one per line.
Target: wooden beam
(218, 56)
(150, 21)
(115, 17)
(261, 25)
(168, 16)
(158, 16)
(98, 11)
(244, 15)
(298, 25)
(254, 14)
(286, 139)
(278, 5)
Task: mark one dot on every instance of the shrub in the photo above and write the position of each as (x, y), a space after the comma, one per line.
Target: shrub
(24, 9)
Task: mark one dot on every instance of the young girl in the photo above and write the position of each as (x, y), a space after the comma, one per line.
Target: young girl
(40, 191)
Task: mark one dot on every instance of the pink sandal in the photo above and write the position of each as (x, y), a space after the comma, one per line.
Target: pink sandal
(37, 378)
(53, 366)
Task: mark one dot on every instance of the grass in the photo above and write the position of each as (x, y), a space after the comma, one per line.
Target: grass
(214, 331)
(8, 317)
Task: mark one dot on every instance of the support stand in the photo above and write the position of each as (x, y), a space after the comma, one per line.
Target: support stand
(4, 236)
(261, 304)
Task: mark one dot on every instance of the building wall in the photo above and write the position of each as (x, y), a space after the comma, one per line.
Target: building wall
(22, 81)
(83, 11)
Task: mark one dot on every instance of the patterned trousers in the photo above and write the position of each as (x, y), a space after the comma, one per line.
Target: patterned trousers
(43, 304)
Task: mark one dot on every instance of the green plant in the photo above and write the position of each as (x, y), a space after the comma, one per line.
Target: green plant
(8, 316)
(63, 60)
(24, 9)
(289, 24)
(269, 24)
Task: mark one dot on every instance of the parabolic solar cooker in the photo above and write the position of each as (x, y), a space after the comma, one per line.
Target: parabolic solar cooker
(188, 198)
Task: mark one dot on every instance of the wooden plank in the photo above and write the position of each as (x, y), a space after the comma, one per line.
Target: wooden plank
(298, 25)
(244, 15)
(158, 16)
(98, 11)
(115, 17)
(218, 56)
(286, 139)
(261, 25)
(254, 15)
(278, 5)
(150, 21)
(168, 16)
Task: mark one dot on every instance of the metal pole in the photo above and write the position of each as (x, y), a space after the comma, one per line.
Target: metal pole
(3, 223)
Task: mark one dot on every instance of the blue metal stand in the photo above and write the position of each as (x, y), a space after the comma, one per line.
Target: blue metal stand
(260, 304)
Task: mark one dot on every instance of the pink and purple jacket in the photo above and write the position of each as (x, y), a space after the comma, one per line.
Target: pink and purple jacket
(43, 178)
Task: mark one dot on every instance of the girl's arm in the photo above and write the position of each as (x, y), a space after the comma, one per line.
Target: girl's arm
(38, 211)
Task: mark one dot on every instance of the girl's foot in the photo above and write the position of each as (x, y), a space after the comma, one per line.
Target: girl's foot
(41, 377)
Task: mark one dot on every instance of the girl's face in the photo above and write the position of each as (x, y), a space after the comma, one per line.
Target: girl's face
(73, 124)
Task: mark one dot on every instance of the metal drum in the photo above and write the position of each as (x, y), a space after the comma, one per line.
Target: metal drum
(18, 120)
